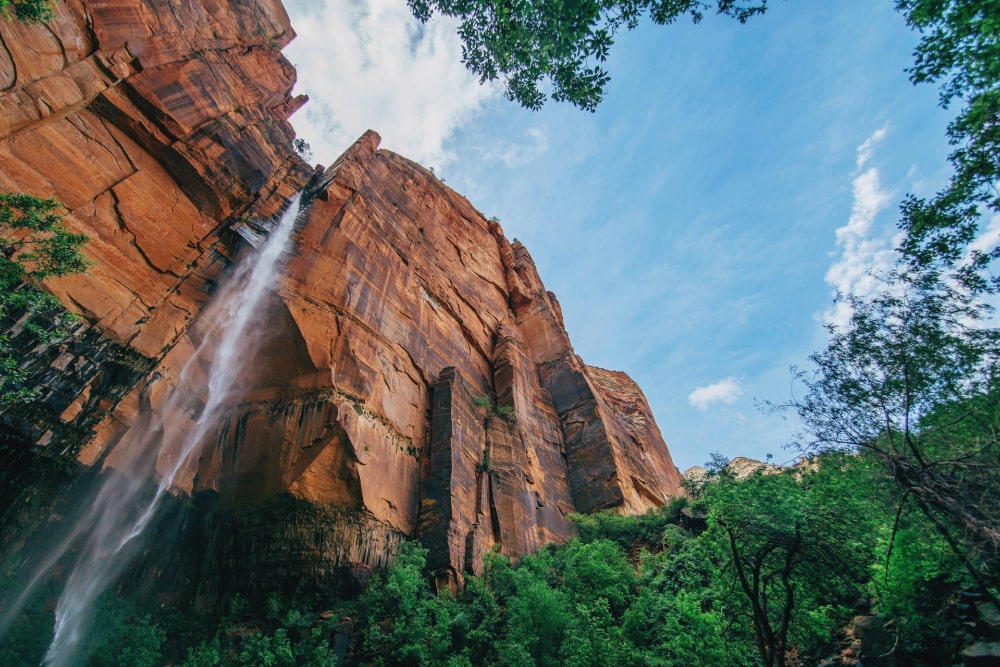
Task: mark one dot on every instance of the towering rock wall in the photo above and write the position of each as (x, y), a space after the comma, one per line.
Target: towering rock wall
(415, 378)
(420, 376)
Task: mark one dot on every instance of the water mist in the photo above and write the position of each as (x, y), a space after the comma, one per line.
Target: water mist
(106, 537)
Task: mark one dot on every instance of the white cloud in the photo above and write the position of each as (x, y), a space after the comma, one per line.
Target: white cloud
(368, 64)
(864, 249)
(867, 149)
(723, 391)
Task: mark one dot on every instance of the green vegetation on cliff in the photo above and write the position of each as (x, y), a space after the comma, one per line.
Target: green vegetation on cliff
(785, 563)
(26, 11)
(34, 245)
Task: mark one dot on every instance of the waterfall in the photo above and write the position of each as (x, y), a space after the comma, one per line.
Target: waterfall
(107, 536)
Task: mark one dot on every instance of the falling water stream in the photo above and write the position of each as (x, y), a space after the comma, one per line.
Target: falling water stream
(106, 537)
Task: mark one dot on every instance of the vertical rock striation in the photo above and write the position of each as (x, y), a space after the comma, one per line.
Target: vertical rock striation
(152, 122)
(436, 392)
(416, 378)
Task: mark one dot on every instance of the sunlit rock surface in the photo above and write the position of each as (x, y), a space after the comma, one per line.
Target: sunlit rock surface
(152, 122)
(415, 379)
(740, 468)
(419, 374)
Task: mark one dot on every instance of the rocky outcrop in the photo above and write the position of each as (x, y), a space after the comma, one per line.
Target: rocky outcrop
(740, 468)
(416, 378)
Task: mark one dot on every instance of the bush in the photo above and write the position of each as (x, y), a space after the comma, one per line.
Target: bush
(404, 624)
(26, 11)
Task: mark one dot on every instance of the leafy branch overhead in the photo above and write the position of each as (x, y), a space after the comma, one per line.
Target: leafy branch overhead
(560, 46)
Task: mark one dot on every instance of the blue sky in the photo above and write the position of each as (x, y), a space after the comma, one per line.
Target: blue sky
(696, 227)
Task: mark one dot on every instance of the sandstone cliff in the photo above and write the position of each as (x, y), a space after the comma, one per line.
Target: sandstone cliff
(416, 378)
(151, 122)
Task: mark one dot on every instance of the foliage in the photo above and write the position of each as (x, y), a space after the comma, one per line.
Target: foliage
(595, 601)
(126, 638)
(302, 149)
(796, 546)
(128, 634)
(26, 11)
(124, 635)
(515, 616)
(807, 542)
(505, 412)
(677, 617)
(287, 637)
(405, 624)
(960, 49)
(593, 638)
(555, 45)
(646, 530)
(34, 245)
(24, 641)
(914, 571)
(910, 381)
(582, 603)
(905, 351)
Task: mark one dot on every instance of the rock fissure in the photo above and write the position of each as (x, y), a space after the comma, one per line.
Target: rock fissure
(132, 166)
(62, 46)
(9, 71)
(92, 140)
(124, 226)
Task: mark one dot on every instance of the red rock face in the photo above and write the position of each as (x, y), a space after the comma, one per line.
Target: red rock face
(416, 379)
(438, 393)
(151, 122)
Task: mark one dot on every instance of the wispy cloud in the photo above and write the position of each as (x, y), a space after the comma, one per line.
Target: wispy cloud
(723, 391)
(513, 154)
(988, 238)
(864, 249)
(867, 149)
(372, 65)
